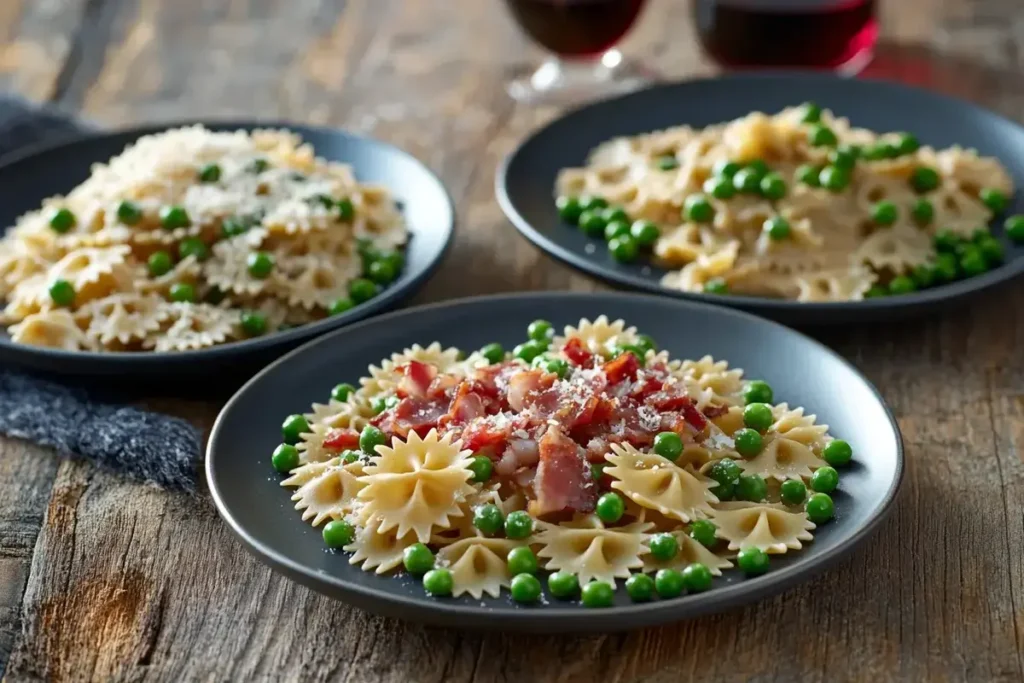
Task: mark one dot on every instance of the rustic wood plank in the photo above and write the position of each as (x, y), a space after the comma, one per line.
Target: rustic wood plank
(35, 41)
(131, 583)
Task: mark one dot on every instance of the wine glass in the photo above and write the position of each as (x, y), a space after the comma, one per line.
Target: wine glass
(582, 34)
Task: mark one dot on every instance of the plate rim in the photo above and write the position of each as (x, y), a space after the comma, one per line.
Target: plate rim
(946, 293)
(634, 615)
(389, 297)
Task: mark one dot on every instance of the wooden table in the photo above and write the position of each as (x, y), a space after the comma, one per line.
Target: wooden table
(110, 580)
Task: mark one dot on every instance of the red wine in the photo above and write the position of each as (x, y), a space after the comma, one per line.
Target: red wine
(576, 28)
(787, 33)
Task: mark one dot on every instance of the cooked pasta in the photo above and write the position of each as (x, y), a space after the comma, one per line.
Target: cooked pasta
(589, 454)
(191, 238)
(799, 205)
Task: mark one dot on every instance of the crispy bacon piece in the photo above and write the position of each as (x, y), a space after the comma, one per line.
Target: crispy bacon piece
(341, 439)
(416, 379)
(646, 385)
(412, 414)
(465, 407)
(486, 436)
(577, 353)
(694, 417)
(562, 482)
(711, 412)
(623, 366)
(524, 385)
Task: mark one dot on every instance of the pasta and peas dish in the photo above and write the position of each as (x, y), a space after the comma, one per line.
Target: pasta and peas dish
(191, 238)
(590, 454)
(799, 205)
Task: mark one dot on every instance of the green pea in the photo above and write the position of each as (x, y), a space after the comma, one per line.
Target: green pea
(724, 490)
(747, 180)
(346, 210)
(159, 263)
(808, 175)
(128, 212)
(875, 291)
(254, 323)
(821, 136)
(381, 272)
(592, 223)
(667, 162)
(820, 508)
(716, 285)
(257, 166)
(752, 561)
(563, 585)
(972, 263)
(183, 292)
(842, 158)
(663, 546)
(378, 405)
(172, 217)
(349, 457)
(924, 179)
(725, 471)
(946, 240)
(884, 213)
(597, 594)
(773, 187)
(340, 305)
(703, 531)
(361, 290)
(556, 366)
(748, 442)
(623, 249)
(777, 228)
(697, 578)
(725, 168)
(834, 179)
(493, 352)
(825, 479)
(946, 267)
(540, 330)
(418, 559)
(698, 209)
(668, 445)
(758, 416)
(810, 113)
(370, 438)
(518, 525)
(233, 226)
(923, 276)
(342, 391)
(981, 234)
(759, 166)
(793, 492)
(640, 587)
(525, 588)
(616, 229)
(907, 143)
(592, 203)
(193, 246)
(61, 293)
(837, 453)
(1014, 227)
(719, 187)
(758, 391)
(285, 458)
(992, 251)
(61, 220)
(597, 470)
(482, 468)
(293, 427)
(488, 519)
(751, 487)
(646, 343)
(610, 508)
(210, 173)
(438, 582)
(875, 152)
(644, 233)
(922, 211)
(995, 200)
(902, 285)
(260, 264)
(569, 209)
(527, 351)
(615, 214)
(668, 583)
(338, 533)
(521, 561)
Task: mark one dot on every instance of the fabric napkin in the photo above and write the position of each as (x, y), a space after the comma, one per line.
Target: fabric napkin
(146, 446)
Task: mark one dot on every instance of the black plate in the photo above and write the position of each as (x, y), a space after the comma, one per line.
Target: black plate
(28, 178)
(525, 181)
(249, 496)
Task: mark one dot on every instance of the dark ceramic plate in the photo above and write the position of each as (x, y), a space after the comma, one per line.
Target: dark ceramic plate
(248, 493)
(525, 181)
(27, 179)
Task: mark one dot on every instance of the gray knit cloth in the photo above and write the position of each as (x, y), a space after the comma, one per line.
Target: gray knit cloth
(146, 446)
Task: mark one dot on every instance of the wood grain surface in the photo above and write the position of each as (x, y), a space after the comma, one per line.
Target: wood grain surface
(102, 579)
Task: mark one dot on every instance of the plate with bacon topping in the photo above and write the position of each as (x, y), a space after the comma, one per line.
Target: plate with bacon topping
(520, 460)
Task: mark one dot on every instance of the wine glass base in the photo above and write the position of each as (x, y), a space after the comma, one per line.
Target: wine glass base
(564, 82)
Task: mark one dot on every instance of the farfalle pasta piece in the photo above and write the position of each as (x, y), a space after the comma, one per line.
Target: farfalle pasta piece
(725, 383)
(55, 329)
(478, 565)
(600, 335)
(314, 280)
(591, 551)
(123, 318)
(657, 483)
(195, 326)
(444, 359)
(772, 528)
(378, 550)
(330, 491)
(417, 485)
